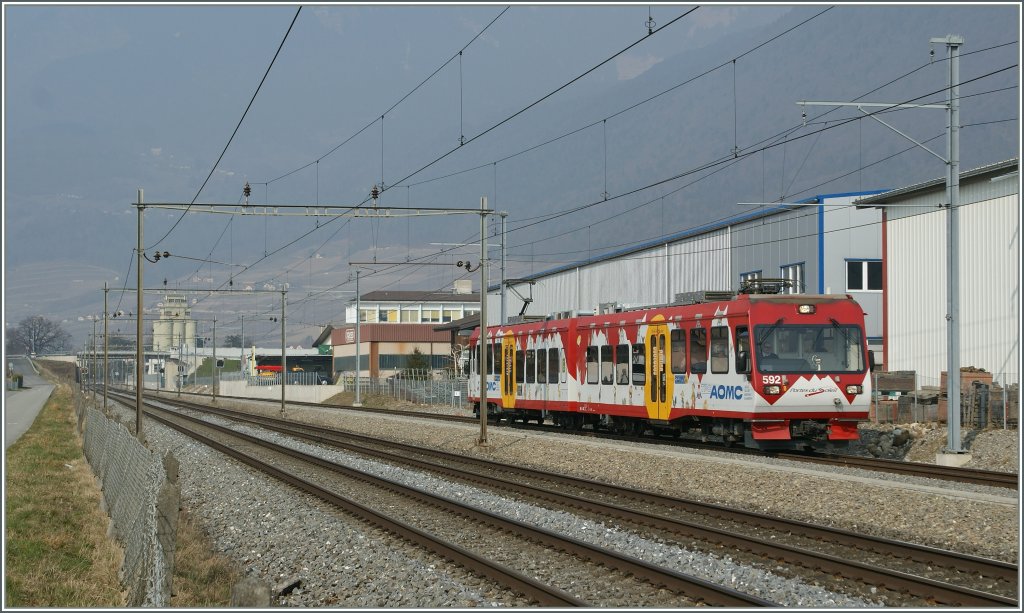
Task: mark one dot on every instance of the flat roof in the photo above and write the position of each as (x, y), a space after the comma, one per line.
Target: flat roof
(702, 229)
(419, 296)
(912, 190)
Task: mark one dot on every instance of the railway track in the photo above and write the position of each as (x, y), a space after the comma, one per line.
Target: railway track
(913, 469)
(611, 579)
(910, 469)
(928, 574)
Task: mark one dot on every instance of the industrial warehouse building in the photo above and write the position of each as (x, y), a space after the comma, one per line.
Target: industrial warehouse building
(886, 248)
(914, 235)
(822, 245)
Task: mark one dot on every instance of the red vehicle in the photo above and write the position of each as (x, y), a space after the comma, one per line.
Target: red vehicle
(677, 368)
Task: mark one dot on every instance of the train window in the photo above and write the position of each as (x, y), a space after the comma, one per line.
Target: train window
(553, 364)
(742, 349)
(520, 371)
(678, 353)
(592, 364)
(542, 366)
(472, 362)
(622, 364)
(639, 364)
(531, 364)
(607, 365)
(720, 349)
(698, 350)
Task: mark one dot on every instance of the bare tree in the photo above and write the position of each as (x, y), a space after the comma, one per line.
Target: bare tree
(37, 334)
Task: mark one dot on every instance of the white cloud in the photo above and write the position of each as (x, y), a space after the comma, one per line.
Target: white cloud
(712, 17)
(632, 66)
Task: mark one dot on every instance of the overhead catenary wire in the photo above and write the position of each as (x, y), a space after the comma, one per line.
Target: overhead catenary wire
(724, 218)
(493, 126)
(235, 131)
(401, 100)
(746, 153)
(634, 106)
(541, 99)
(494, 164)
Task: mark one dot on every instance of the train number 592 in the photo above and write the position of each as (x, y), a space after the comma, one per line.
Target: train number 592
(771, 379)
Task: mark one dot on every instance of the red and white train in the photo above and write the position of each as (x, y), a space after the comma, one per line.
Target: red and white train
(678, 368)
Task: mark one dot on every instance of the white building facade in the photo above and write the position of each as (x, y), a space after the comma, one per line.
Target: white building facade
(811, 243)
(916, 274)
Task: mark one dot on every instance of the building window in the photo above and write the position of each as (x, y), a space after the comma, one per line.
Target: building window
(431, 315)
(864, 275)
(410, 316)
(795, 273)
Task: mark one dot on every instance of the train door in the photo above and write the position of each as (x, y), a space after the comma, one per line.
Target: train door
(658, 386)
(507, 382)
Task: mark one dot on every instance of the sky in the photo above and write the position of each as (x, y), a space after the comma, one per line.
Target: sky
(555, 106)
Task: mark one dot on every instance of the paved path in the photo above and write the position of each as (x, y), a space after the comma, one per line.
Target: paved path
(22, 406)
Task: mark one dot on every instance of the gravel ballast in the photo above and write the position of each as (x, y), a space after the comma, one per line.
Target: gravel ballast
(280, 536)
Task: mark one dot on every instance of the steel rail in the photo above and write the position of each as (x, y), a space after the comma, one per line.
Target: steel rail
(918, 586)
(544, 594)
(687, 585)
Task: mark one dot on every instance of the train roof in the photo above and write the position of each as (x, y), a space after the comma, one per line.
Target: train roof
(557, 321)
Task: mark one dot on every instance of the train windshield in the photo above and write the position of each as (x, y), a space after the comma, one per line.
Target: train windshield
(832, 348)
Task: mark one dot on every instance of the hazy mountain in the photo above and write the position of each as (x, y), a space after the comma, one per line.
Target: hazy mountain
(70, 226)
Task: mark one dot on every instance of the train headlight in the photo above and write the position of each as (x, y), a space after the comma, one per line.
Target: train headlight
(805, 309)
(854, 389)
(772, 389)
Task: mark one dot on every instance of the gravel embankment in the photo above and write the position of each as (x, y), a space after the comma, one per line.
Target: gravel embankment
(278, 535)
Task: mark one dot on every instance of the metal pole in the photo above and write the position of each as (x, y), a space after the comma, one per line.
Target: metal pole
(181, 366)
(92, 379)
(105, 347)
(482, 345)
(504, 302)
(139, 357)
(359, 357)
(284, 358)
(953, 252)
(216, 371)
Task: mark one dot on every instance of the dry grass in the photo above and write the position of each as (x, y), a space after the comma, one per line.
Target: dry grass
(57, 550)
(58, 553)
(201, 578)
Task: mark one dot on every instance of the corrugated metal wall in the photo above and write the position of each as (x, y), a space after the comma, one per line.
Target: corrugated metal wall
(768, 243)
(643, 278)
(989, 285)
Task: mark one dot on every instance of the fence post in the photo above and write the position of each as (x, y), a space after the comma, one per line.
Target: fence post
(874, 394)
(1003, 377)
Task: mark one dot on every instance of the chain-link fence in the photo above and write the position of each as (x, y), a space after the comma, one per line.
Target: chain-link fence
(416, 386)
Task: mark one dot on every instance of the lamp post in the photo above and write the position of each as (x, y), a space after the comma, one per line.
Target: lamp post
(138, 326)
(359, 358)
(952, 162)
(105, 346)
(284, 357)
(482, 345)
(216, 369)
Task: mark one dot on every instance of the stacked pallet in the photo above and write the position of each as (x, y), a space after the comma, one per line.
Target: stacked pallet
(982, 401)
